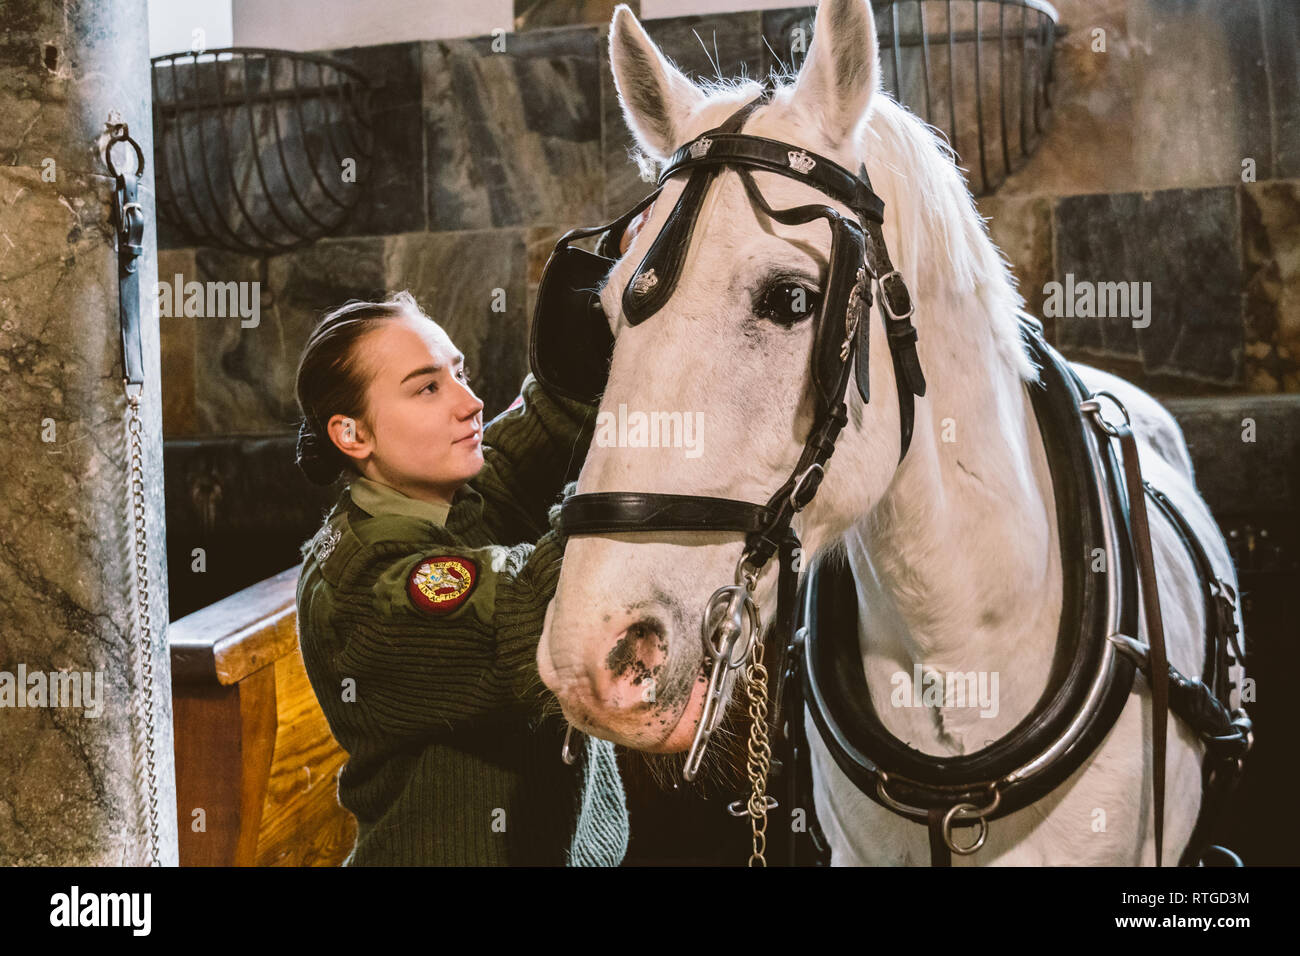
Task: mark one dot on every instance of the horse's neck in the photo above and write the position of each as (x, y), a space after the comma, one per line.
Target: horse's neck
(958, 567)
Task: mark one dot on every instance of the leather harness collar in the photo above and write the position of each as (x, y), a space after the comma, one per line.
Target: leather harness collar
(1087, 675)
(1090, 678)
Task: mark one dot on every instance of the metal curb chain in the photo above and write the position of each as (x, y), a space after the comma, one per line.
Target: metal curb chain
(142, 602)
(759, 760)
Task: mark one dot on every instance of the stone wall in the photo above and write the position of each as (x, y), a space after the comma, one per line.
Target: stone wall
(486, 158)
(1159, 107)
(88, 774)
(1173, 157)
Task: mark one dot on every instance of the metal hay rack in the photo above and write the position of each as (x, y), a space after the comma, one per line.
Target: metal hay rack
(259, 151)
(950, 61)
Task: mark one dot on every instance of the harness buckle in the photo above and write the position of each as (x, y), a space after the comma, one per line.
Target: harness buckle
(799, 486)
(887, 304)
(962, 810)
(1225, 602)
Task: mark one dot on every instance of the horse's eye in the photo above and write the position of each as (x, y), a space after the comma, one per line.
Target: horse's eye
(786, 303)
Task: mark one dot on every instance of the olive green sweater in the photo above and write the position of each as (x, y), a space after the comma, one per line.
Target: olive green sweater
(419, 625)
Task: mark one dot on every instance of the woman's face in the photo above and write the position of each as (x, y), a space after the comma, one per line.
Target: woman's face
(423, 431)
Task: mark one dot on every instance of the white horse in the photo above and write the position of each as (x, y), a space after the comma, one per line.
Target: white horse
(955, 551)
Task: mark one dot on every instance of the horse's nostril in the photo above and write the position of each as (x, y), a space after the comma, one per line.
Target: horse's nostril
(639, 653)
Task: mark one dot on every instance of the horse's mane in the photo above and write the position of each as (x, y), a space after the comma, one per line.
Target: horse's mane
(939, 232)
(936, 231)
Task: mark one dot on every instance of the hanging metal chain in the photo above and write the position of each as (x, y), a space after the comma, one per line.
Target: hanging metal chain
(135, 427)
(759, 760)
(128, 243)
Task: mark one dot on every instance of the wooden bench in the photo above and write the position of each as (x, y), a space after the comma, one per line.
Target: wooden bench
(256, 765)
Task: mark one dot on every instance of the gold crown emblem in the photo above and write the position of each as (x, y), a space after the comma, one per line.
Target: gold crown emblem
(700, 147)
(801, 162)
(644, 283)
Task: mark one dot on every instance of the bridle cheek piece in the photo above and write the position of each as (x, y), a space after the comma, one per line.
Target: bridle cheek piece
(564, 338)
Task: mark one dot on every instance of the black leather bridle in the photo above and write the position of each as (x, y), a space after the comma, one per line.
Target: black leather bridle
(731, 622)
(1093, 671)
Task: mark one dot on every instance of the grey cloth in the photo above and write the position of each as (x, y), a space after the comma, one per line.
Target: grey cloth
(601, 836)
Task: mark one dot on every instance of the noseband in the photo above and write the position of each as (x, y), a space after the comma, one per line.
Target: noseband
(731, 623)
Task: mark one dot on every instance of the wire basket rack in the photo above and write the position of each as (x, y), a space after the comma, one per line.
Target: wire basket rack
(978, 70)
(259, 151)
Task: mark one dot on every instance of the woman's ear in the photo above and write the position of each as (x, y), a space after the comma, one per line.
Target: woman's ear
(656, 97)
(350, 436)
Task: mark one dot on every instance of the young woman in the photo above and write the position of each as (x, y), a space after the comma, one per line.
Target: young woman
(421, 601)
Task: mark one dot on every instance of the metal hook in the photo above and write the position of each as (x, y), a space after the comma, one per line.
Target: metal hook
(740, 808)
(567, 753)
(730, 640)
(1093, 407)
(799, 484)
(121, 134)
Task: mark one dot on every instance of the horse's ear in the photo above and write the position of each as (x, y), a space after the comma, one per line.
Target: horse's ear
(656, 98)
(842, 70)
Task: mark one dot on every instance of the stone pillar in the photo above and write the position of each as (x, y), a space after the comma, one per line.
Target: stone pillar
(75, 786)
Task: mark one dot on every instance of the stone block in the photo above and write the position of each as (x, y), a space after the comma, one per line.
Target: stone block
(513, 132)
(1185, 243)
(1270, 239)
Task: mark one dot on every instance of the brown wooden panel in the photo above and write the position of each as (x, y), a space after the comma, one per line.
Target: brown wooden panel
(253, 748)
(223, 739)
(302, 823)
(225, 642)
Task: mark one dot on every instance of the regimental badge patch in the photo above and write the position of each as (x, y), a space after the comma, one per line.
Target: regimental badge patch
(442, 583)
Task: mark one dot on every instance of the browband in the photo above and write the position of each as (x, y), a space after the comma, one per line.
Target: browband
(734, 149)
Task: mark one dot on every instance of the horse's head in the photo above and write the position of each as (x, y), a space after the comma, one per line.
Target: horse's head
(728, 360)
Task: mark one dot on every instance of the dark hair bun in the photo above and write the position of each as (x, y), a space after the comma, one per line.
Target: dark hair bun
(319, 459)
